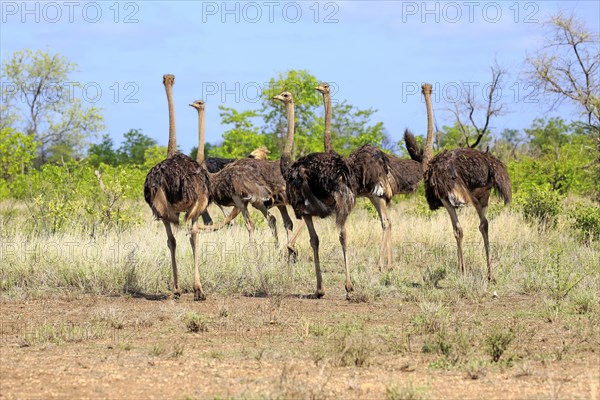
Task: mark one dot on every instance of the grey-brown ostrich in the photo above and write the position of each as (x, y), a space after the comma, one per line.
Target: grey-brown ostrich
(454, 178)
(380, 176)
(216, 164)
(318, 185)
(253, 180)
(177, 185)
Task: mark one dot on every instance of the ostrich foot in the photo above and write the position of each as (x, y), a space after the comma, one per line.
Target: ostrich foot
(316, 295)
(349, 287)
(199, 295)
(292, 255)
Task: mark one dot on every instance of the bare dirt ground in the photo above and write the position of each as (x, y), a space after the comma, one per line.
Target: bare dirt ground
(285, 347)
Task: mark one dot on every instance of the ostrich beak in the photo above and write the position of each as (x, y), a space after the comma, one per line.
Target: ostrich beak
(278, 97)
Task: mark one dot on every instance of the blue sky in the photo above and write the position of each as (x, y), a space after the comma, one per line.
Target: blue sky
(375, 52)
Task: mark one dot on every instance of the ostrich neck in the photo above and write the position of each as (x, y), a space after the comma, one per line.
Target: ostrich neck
(428, 152)
(200, 155)
(327, 133)
(172, 146)
(286, 156)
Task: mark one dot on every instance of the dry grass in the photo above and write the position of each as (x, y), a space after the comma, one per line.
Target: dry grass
(526, 261)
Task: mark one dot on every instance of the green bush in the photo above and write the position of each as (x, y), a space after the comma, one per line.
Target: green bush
(541, 205)
(4, 190)
(585, 219)
(74, 196)
(497, 342)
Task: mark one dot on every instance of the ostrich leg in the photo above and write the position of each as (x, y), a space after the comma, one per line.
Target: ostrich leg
(172, 243)
(458, 234)
(206, 219)
(247, 219)
(198, 293)
(234, 213)
(483, 228)
(287, 221)
(314, 243)
(385, 252)
(270, 220)
(292, 252)
(349, 286)
(292, 235)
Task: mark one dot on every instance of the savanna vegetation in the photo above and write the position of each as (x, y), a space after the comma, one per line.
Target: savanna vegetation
(73, 224)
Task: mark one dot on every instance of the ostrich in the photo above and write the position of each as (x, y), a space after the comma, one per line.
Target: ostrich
(380, 176)
(215, 164)
(253, 180)
(178, 185)
(454, 178)
(318, 185)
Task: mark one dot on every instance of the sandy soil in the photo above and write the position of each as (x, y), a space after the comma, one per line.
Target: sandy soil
(118, 347)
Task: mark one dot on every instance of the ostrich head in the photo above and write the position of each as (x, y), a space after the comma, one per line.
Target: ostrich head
(323, 88)
(426, 88)
(168, 79)
(198, 105)
(260, 153)
(285, 97)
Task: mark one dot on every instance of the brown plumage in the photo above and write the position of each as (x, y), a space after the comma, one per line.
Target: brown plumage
(177, 185)
(405, 175)
(458, 177)
(462, 176)
(256, 182)
(321, 185)
(318, 185)
(216, 164)
(253, 180)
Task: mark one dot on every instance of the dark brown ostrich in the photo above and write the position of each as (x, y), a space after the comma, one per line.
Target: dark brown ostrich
(177, 185)
(454, 178)
(318, 185)
(253, 180)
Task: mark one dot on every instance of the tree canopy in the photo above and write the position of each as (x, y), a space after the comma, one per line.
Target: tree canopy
(40, 99)
(350, 127)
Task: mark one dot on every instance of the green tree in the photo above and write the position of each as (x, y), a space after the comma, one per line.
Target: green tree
(103, 152)
(17, 152)
(350, 128)
(509, 145)
(306, 103)
(209, 148)
(548, 136)
(153, 155)
(41, 99)
(451, 137)
(244, 137)
(134, 147)
(561, 158)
